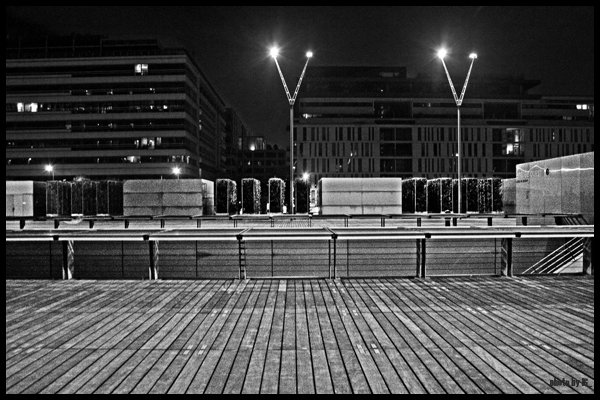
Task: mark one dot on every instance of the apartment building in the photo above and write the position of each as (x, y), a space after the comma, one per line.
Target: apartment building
(376, 122)
(109, 109)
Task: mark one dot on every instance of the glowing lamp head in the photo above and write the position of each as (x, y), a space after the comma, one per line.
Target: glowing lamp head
(49, 168)
(309, 54)
(274, 52)
(442, 53)
(473, 56)
(176, 170)
(305, 176)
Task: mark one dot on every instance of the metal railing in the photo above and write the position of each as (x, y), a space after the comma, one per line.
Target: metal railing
(333, 252)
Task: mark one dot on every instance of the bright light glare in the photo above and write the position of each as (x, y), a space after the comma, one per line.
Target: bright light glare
(274, 52)
(442, 53)
(473, 56)
(309, 54)
(49, 168)
(305, 176)
(176, 171)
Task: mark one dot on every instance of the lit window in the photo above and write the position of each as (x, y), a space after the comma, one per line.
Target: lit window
(27, 107)
(141, 69)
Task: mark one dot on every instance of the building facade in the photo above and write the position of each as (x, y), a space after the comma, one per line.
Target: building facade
(109, 109)
(376, 122)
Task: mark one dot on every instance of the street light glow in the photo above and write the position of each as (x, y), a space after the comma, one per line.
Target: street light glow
(305, 176)
(309, 54)
(49, 168)
(274, 52)
(442, 53)
(473, 56)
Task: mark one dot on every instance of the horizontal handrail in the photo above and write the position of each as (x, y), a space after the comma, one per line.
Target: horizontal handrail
(291, 234)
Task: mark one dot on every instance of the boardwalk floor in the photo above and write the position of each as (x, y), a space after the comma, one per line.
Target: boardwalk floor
(441, 335)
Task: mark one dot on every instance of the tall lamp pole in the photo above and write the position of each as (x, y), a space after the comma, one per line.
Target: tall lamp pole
(459, 100)
(292, 100)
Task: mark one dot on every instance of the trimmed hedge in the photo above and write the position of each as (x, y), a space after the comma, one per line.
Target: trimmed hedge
(276, 195)
(251, 196)
(302, 194)
(226, 196)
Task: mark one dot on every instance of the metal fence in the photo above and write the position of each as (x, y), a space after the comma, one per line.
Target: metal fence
(159, 252)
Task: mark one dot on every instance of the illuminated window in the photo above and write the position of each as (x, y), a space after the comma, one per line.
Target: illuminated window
(27, 107)
(141, 69)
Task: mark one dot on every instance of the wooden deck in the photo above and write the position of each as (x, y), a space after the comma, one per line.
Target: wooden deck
(441, 335)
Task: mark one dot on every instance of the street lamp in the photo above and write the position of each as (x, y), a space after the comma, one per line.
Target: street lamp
(177, 171)
(50, 168)
(459, 100)
(292, 99)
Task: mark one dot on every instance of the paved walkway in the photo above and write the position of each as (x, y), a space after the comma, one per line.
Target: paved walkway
(441, 335)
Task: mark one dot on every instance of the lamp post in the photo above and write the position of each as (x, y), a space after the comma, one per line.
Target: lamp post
(50, 168)
(177, 171)
(292, 100)
(459, 100)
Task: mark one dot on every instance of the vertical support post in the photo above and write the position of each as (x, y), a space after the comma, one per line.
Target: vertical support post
(291, 157)
(242, 257)
(459, 160)
(418, 272)
(68, 259)
(588, 264)
(423, 258)
(332, 268)
(154, 257)
(506, 258)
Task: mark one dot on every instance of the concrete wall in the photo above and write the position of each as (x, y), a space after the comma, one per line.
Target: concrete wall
(557, 186)
(360, 196)
(19, 198)
(163, 197)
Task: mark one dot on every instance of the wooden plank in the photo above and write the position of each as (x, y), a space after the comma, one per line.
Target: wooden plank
(253, 380)
(472, 335)
(351, 347)
(270, 377)
(339, 377)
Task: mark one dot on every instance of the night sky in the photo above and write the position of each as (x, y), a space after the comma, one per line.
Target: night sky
(231, 44)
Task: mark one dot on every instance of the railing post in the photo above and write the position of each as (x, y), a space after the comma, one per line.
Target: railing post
(588, 264)
(242, 256)
(68, 251)
(332, 268)
(506, 258)
(421, 258)
(154, 257)
(418, 274)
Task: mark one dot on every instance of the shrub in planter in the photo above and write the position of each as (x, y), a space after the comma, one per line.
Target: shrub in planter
(433, 196)
(472, 197)
(469, 195)
(497, 205)
(302, 193)
(276, 195)
(39, 199)
(420, 195)
(226, 196)
(251, 196)
(58, 198)
(109, 198)
(446, 194)
(484, 195)
(408, 196)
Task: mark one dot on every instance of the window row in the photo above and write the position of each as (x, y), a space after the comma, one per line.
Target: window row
(181, 159)
(103, 107)
(105, 144)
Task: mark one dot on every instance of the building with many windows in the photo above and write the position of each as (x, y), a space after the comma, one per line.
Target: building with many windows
(376, 122)
(109, 109)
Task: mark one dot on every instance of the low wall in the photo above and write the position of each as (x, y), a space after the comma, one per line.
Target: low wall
(562, 185)
(360, 196)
